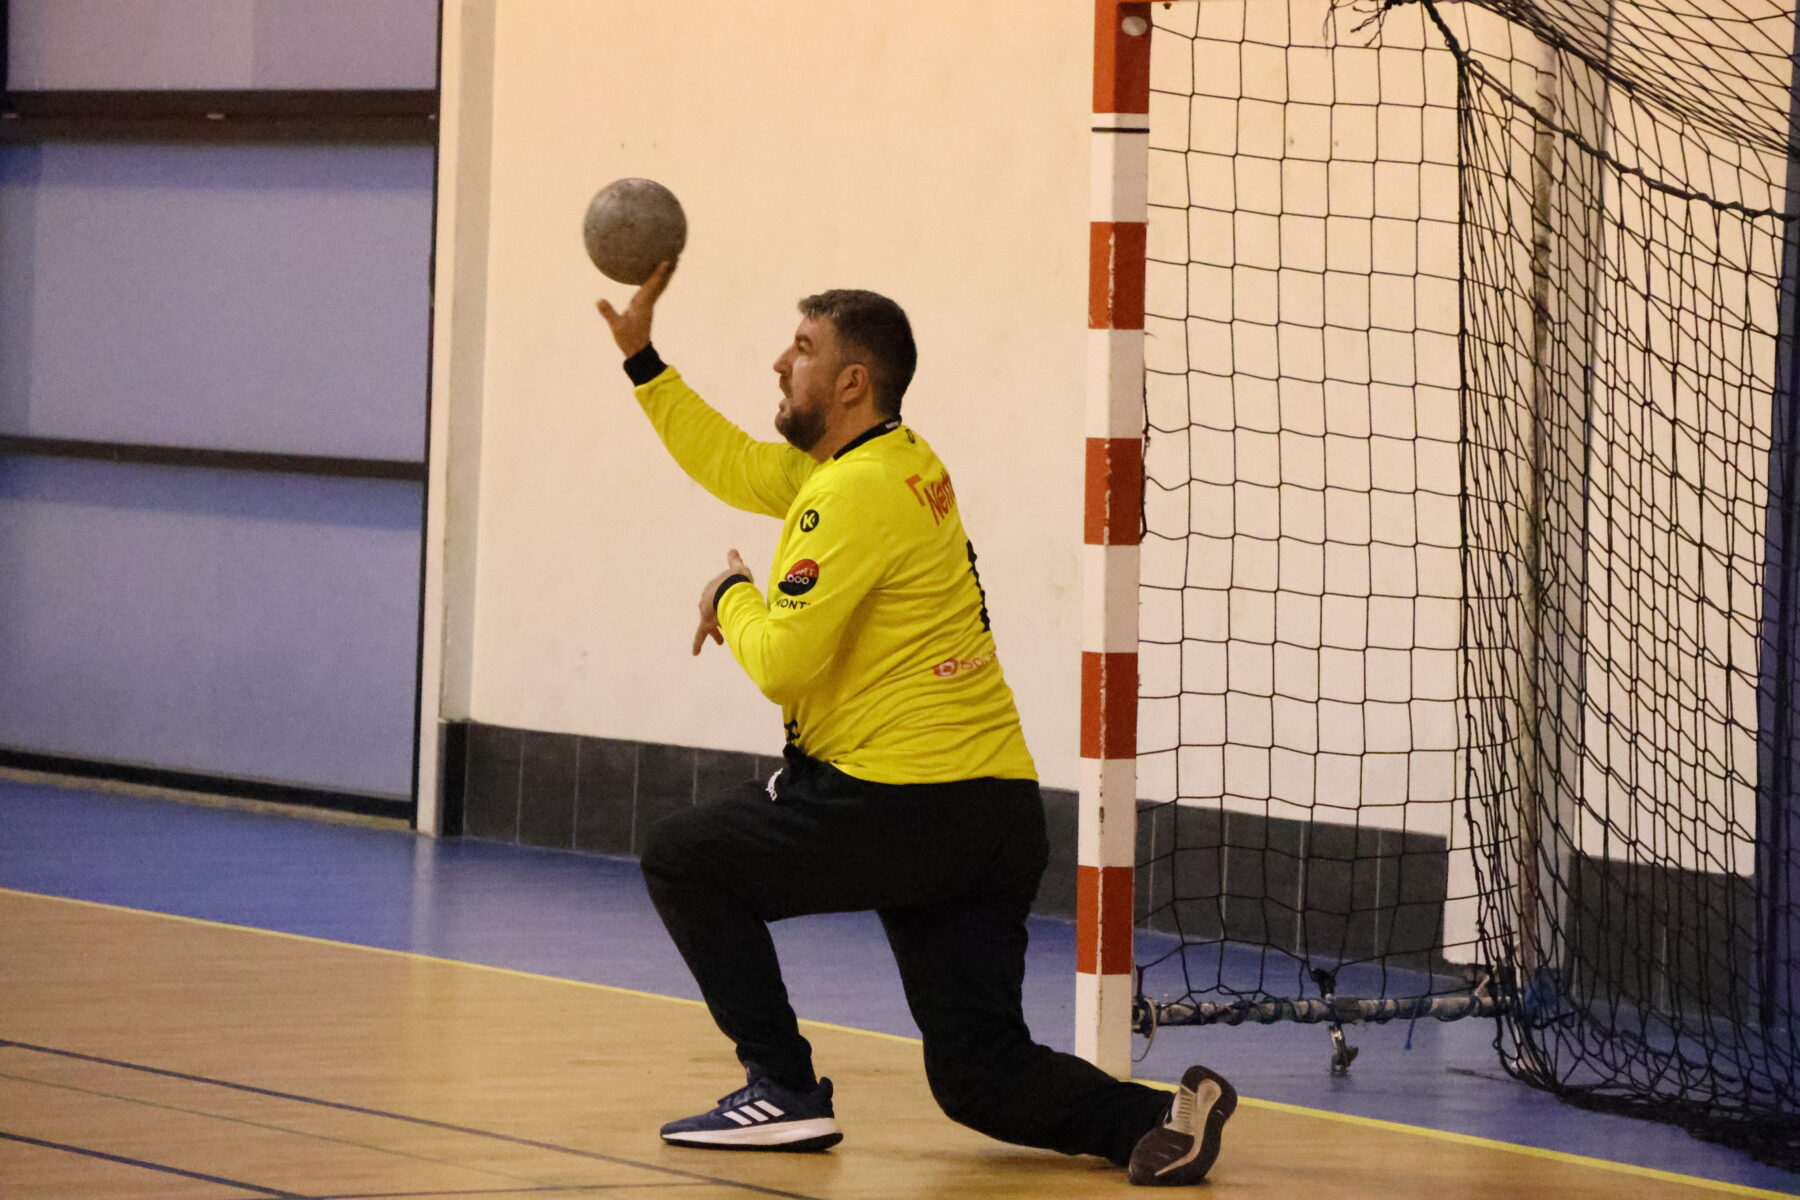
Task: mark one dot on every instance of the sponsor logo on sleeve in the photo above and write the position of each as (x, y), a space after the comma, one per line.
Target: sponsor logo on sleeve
(800, 578)
(809, 520)
(958, 666)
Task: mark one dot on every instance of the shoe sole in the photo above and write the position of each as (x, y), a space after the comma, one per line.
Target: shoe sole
(791, 1136)
(1186, 1159)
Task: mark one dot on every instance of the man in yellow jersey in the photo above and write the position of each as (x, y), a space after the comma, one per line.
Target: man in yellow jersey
(907, 787)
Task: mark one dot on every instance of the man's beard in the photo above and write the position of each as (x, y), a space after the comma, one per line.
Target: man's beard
(802, 428)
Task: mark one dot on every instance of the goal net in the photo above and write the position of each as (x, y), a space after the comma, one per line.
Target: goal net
(1466, 583)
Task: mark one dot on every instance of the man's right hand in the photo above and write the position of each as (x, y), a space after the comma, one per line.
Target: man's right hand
(631, 328)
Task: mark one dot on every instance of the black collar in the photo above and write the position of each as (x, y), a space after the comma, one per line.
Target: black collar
(868, 435)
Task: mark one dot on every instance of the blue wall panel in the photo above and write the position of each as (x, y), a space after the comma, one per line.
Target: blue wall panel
(249, 625)
(151, 44)
(254, 298)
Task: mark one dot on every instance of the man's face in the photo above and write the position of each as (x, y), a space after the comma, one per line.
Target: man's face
(808, 370)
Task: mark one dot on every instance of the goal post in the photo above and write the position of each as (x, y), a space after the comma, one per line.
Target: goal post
(1107, 841)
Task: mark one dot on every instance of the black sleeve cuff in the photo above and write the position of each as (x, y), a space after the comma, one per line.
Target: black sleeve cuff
(725, 585)
(644, 366)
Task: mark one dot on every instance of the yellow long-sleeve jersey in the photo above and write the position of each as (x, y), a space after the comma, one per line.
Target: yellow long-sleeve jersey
(874, 635)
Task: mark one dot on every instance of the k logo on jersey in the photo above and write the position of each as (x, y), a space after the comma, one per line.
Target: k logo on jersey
(800, 578)
(809, 520)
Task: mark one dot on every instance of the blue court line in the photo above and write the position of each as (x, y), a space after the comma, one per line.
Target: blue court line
(150, 1166)
(8, 1043)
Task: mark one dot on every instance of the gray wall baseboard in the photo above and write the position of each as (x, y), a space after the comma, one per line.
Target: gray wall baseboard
(601, 795)
(1315, 891)
(1206, 875)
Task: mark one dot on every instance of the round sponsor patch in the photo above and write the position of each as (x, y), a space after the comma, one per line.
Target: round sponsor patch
(809, 520)
(800, 578)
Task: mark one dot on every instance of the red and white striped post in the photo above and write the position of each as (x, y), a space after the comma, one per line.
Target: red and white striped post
(1107, 852)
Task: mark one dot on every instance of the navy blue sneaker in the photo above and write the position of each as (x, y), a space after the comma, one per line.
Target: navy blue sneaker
(762, 1115)
(1183, 1148)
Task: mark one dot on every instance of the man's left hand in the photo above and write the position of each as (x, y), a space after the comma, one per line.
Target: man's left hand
(709, 617)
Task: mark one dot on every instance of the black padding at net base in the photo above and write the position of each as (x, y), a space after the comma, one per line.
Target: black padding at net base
(1469, 602)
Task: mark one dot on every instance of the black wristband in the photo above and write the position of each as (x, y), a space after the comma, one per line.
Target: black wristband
(725, 585)
(645, 365)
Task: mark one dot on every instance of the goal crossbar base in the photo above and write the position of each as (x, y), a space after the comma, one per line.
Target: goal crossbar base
(1148, 1015)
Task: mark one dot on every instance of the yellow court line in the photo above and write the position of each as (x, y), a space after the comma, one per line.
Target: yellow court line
(1464, 1139)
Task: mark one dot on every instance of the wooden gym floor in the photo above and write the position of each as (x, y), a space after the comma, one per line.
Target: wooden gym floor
(146, 1055)
(149, 1056)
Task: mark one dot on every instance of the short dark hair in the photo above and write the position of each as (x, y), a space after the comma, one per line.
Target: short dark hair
(875, 329)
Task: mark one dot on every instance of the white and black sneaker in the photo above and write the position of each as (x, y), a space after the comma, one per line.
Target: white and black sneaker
(762, 1115)
(1182, 1149)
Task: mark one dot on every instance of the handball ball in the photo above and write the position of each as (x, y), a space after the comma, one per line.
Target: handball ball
(631, 225)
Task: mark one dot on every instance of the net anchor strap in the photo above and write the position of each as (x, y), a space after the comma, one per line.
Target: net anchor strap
(1344, 1010)
(1342, 1052)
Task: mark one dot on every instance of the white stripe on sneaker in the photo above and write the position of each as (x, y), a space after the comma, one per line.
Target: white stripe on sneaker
(776, 1133)
(1208, 1096)
(769, 1108)
(732, 1116)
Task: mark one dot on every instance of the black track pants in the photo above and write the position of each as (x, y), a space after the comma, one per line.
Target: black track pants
(952, 870)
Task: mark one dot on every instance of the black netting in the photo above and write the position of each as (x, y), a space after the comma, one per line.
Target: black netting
(1466, 584)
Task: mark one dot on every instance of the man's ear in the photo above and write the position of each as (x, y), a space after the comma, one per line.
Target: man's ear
(854, 383)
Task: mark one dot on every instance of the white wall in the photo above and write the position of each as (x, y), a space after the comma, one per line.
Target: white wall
(459, 361)
(1302, 607)
(1301, 574)
(1678, 452)
(929, 149)
(938, 152)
